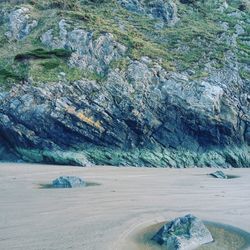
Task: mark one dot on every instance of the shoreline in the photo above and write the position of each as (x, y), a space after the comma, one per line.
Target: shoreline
(101, 216)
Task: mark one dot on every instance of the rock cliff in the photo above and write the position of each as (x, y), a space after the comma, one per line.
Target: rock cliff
(142, 83)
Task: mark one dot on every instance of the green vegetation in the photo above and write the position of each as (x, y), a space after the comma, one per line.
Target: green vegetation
(190, 44)
(10, 73)
(52, 70)
(5, 74)
(43, 54)
(245, 74)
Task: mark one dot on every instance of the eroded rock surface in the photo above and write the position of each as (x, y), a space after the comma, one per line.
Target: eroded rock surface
(20, 23)
(88, 53)
(125, 108)
(125, 112)
(158, 9)
(143, 107)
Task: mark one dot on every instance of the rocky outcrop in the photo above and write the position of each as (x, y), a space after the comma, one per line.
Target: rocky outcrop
(20, 23)
(88, 53)
(68, 182)
(165, 11)
(184, 233)
(140, 114)
(142, 108)
(6, 154)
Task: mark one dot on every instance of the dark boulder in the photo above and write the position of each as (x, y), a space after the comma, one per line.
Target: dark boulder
(219, 175)
(183, 233)
(68, 182)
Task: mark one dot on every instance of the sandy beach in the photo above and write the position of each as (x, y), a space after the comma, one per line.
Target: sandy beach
(104, 216)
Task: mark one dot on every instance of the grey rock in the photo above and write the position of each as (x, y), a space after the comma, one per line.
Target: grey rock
(223, 6)
(219, 175)
(157, 9)
(20, 23)
(142, 107)
(132, 5)
(165, 10)
(139, 115)
(88, 53)
(239, 29)
(68, 182)
(183, 233)
(6, 154)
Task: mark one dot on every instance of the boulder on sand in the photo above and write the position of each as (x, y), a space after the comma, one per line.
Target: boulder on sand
(219, 175)
(68, 182)
(183, 233)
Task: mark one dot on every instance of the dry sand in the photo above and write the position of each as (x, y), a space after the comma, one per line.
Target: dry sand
(102, 217)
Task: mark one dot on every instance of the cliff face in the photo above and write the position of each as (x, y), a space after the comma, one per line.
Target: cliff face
(144, 83)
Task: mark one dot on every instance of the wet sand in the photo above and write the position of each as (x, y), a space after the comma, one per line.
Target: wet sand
(103, 217)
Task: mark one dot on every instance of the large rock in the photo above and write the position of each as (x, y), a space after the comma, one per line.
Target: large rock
(136, 113)
(6, 154)
(183, 233)
(20, 23)
(157, 9)
(183, 123)
(68, 182)
(93, 54)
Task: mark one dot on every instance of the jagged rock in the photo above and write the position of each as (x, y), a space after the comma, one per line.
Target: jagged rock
(6, 154)
(137, 112)
(68, 182)
(144, 107)
(157, 9)
(219, 175)
(167, 11)
(132, 5)
(20, 23)
(183, 233)
(88, 53)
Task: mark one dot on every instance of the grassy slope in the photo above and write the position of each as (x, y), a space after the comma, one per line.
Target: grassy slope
(191, 43)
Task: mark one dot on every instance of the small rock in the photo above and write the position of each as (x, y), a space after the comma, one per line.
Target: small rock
(239, 29)
(183, 233)
(219, 175)
(68, 182)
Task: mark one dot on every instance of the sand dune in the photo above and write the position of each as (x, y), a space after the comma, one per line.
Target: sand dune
(102, 217)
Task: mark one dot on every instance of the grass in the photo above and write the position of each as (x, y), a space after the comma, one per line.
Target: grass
(42, 53)
(12, 72)
(5, 74)
(50, 64)
(191, 43)
(245, 74)
(50, 71)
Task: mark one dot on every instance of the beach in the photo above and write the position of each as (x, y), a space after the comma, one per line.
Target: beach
(118, 202)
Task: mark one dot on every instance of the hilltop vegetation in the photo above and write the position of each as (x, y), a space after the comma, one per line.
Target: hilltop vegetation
(196, 39)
